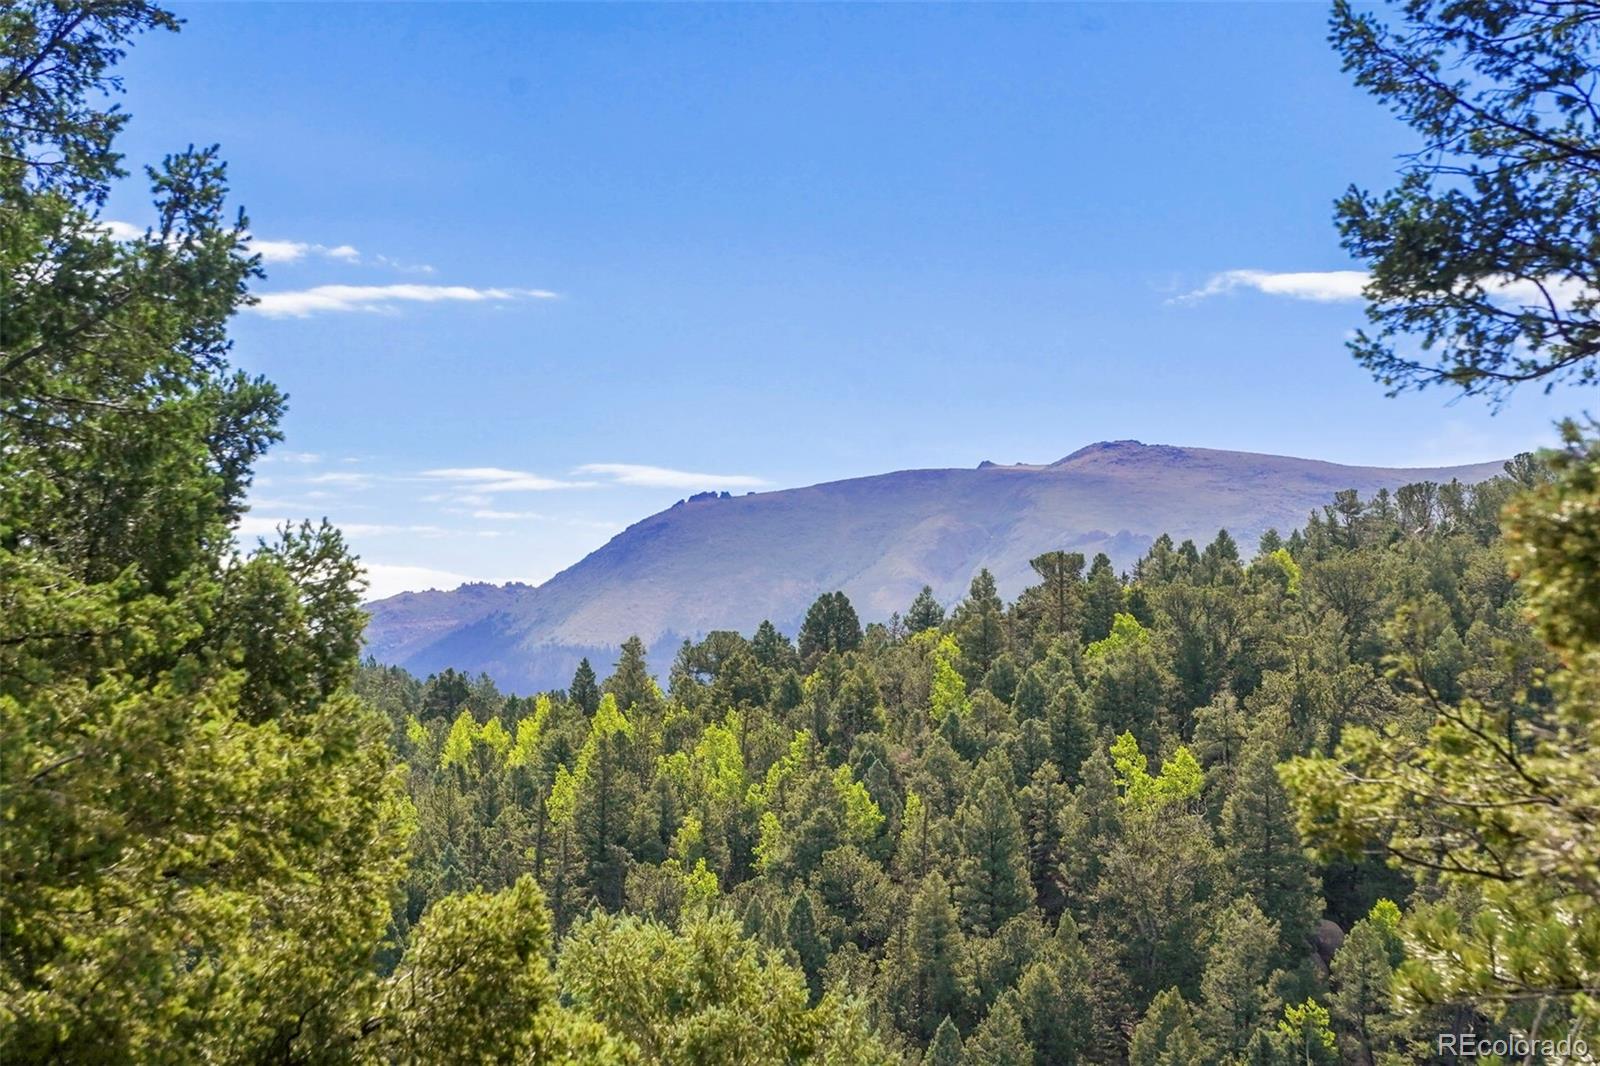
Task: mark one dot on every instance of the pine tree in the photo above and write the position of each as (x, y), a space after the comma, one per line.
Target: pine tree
(927, 977)
(631, 682)
(924, 612)
(585, 690)
(203, 830)
(1362, 1004)
(945, 1049)
(1262, 848)
(1102, 599)
(800, 929)
(1054, 607)
(1235, 992)
(830, 626)
(992, 872)
(771, 648)
(1056, 1016)
(1040, 805)
(999, 1040)
(1032, 697)
(1166, 1036)
(1071, 735)
(980, 628)
(1002, 678)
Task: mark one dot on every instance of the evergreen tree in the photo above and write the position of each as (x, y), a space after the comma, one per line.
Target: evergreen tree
(1102, 599)
(945, 1049)
(924, 612)
(979, 625)
(999, 1040)
(1235, 992)
(800, 929)
(1488, 91)
(475, 987)
(772, 650)
(631, 682)
(585, 690)
(1261, 848)
(927, 978)
(992, 872)
(830, 626)
(203, 832)
(1032, 698)
(1056, 1017)
(1166, 1036)
(1362, 974)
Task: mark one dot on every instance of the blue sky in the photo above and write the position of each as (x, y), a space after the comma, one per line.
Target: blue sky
(536, 271)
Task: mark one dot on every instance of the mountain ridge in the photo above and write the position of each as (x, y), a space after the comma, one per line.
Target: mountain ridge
(717, 561)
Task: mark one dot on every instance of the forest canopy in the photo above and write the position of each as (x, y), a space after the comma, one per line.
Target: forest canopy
(1318, 799)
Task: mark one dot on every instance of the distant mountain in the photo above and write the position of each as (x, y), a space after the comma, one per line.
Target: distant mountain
(726, 562)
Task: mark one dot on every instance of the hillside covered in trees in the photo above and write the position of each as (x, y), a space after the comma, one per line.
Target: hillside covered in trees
(1035, 830)
(731, 563)
(1323, 798)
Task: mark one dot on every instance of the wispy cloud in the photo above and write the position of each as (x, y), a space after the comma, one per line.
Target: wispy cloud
(660, 477)
(340, 478)
(293, 251)
(122, 231)
(301, 303)
(482, 479)
(282, 456)
(1322, 286)
(504, 516)
(1329, 286)
(388, 579)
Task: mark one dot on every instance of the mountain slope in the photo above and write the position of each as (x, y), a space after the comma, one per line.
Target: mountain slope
(718, 562)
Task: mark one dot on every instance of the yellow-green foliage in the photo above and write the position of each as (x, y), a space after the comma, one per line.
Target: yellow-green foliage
(948, 692)
(862, 818)
(458, 743)
(609, 721)
(1180, 779)
(530, 730)
(1125, 632)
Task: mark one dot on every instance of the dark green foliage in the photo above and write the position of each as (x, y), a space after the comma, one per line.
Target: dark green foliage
(1484, 252)
(801, 931)
(945, 1048)
(830, 625)
(926, 977)
(980, 630)
(925, 612)
(585, 690)
(992, 880)
(1047, 832)
(631, 682)
(1102, 599)
(1166, 1036)
(1000, 1041)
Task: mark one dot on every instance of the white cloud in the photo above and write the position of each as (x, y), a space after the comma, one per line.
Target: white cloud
(387, 579)
(259, 525)
(1560, 291)
(505, 516)
(340, 478)
(294, 251)
(122, 231)
(1323, 286)
(403, 267)
(659, 477)
(281, 456)
(1328, 286)
(483, 479)
(301, 303)
(372, 529)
